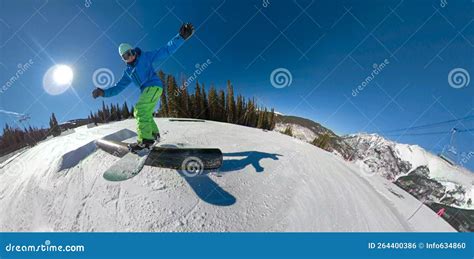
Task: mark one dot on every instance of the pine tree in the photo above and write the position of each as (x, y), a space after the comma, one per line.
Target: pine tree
(197, 102)
(271, 120)
(260, 121)
(91, 118)
(288, 131)
(189, 102)
(119, 112)
(54, 126)
(163, 110)
(179, 101)
(265, 119)
(183, 103)
(162, 77)
(104, 116)
(113, 113)
(125, 111)
(251, 114)
(212, 103)
(239, 110)
(204, 104)
(132, 112)
(322, 141)
(172, 97)
(230, 103)
(221, 106)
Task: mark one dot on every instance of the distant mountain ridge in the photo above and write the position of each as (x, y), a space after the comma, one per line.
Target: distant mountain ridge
(307, 130)
(419, 172)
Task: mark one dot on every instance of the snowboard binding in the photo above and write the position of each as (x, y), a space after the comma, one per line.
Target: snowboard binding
(145, 145)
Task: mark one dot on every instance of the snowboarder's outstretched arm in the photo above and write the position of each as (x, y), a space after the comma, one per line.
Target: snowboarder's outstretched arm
(185, 32)
(114, 90)
(119, 86)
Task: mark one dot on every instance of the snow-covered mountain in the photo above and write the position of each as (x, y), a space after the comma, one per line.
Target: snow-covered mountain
(268, 182)
(423, 174)
(416, 170)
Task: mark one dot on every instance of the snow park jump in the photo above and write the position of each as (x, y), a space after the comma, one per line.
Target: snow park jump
(236, 129)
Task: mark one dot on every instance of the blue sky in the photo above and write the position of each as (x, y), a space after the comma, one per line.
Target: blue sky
(329, 47)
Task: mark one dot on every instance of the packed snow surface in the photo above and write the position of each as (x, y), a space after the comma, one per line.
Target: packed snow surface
(268, 182)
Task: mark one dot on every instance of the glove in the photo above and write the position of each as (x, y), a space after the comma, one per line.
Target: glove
(97, 92)
(186, 30)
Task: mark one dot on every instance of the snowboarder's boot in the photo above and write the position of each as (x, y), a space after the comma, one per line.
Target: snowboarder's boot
(139, 146)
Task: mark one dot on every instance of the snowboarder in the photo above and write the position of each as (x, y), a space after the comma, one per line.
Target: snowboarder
(140, 71)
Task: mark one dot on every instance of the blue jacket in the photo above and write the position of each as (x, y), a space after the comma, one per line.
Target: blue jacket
(142, 72)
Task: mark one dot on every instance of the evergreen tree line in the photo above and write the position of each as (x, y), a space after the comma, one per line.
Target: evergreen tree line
(217, 105)
(113, 112)
(323, 141)
(15, 138)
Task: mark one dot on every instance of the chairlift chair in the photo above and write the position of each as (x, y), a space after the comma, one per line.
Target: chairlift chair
(449, 149)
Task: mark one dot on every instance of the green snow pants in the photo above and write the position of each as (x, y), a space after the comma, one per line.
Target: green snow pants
(143, 112)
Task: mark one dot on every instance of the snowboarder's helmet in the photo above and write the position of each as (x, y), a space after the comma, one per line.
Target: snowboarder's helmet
(124, 47)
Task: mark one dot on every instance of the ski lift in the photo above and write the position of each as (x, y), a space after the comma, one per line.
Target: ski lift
(449, 152)
(23, 118)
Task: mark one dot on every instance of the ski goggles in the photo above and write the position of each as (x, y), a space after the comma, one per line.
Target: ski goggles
(128, 54)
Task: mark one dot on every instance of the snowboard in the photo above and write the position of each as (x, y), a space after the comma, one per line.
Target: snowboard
(127, 166)
(192, 161)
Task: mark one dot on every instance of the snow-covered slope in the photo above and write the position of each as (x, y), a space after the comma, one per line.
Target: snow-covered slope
(395, 161)
(299, 132)
(269, 182)
(307, 130)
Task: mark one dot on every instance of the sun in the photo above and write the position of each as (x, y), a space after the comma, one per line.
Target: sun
(62, 74)
(58, 79)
